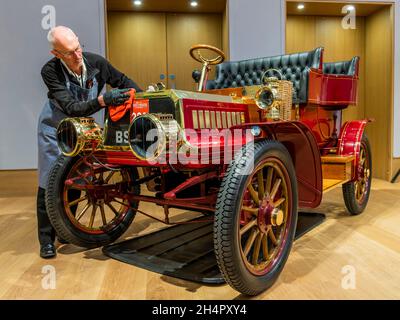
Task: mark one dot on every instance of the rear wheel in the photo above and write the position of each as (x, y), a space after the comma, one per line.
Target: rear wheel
(356, 193)
(256, 217)
(81, 209)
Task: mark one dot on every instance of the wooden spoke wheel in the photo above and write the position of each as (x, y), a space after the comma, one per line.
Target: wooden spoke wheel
(256, 217)
(356, 193)
(84, 203)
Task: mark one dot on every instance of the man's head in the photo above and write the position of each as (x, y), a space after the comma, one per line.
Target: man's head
(65, 46)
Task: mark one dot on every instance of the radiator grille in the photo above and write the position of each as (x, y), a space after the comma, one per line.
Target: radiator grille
(216, 119)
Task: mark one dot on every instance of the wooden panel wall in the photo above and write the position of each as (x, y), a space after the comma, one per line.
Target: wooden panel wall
(146, 45)
(137, 45)
(183, 31)
(379, 83)
(305, 33)
(372, 41)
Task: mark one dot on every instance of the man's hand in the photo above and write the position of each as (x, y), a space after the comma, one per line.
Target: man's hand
(114, 97)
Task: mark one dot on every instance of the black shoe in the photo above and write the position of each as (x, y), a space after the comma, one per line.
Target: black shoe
(62, 241)
(48, 251)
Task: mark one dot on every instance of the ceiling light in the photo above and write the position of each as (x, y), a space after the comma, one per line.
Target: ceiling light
(137, 3)
(194, 3)
(300, 6)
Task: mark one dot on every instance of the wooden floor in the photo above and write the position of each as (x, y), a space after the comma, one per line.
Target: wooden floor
(317, 267)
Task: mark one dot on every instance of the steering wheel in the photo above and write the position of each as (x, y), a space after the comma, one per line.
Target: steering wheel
(219, 59)
(196, 55)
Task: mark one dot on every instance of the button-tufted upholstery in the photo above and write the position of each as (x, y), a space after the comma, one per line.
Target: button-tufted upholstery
(294, 67)
(345, 67)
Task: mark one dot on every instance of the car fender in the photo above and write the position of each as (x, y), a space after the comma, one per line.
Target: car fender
(350, 139)
(303, 149)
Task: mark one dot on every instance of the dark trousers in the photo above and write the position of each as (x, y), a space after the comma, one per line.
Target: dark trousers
(46, 232)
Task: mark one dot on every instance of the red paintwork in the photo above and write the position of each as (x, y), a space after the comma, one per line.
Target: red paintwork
(336, 91)
(350, 140)
(171, 195)
(324, 123)
(302, 146)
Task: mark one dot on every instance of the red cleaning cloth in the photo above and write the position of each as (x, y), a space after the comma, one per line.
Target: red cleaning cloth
(117, 112)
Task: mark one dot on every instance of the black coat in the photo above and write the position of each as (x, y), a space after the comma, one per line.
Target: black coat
(96, 66)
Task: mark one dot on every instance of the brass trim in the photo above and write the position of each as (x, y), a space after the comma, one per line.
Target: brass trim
(213, 123)
(207, 118)
(161, 137)
(219, 123)
(201, 119)
(88, 135)
(224, 123)
(195, 119)
(229, 119)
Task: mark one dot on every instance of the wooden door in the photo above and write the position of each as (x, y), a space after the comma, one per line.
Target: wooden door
(183, 31)
(137, 45)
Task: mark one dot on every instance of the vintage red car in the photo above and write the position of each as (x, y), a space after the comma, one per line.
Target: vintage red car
(248, 149)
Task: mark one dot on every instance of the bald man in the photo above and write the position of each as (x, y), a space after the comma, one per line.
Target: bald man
(74, 79)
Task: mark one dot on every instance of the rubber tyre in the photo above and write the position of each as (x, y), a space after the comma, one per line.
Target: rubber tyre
(59, 219)
(226, 237)
(349, 189)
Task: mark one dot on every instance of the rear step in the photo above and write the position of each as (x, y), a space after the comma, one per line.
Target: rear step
(336, 170)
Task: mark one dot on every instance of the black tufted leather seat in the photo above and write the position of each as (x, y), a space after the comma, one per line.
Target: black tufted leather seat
(294, 67)
(349, 68)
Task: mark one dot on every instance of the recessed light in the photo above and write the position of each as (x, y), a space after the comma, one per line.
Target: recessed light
(137, 3)
(300, 6)
(194, 3)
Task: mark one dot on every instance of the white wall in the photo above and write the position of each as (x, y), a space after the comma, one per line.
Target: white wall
(256, 28)
(24, 50)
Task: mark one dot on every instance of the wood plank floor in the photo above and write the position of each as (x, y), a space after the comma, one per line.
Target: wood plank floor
(319, 263)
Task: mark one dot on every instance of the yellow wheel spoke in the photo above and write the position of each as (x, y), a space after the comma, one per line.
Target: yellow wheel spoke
(260, 180)
(268, 183)
(251, 210)
(94, 209)
(256, 250)
(272, 236)
(80, 215)
(279, 202)
(248, 226)
(113, 209)
(253, 194)
(250, 242)
(72, 203)
(109, 177)
(275, 188)
(103, 214)
(265, 246)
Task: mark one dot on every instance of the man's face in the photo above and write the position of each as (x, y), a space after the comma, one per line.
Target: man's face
(70, 51)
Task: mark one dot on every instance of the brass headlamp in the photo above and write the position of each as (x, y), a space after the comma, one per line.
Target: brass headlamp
(274, 96)
(78, 134)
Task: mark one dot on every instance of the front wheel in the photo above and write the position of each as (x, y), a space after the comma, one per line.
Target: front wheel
(84, 203)
(256, 217)
(356, 193)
